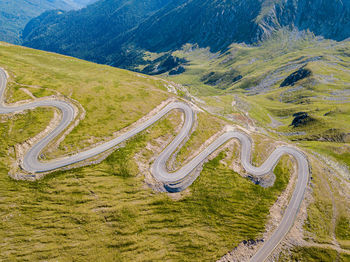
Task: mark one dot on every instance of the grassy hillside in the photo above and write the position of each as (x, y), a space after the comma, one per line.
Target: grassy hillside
(244, 84)
(251, 77)
(106, 211)
(314, 255)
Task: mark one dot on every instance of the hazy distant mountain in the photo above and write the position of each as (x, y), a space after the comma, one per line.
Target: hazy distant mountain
(117, 31)
(77, 4)
(15, 14)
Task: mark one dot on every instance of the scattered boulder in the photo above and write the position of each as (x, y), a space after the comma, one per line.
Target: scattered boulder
(252, 242)
(265, 181)
(296, 76)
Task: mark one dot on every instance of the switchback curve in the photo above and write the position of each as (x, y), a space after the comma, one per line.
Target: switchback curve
(175, 181)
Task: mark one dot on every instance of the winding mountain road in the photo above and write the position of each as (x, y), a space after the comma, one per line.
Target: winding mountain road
(175, 181)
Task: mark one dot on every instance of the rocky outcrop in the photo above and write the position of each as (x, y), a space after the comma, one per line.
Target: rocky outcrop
(221, 79)
(330, 19)
(296, 76)
(301, 119)
(164, 64)
(177, 71)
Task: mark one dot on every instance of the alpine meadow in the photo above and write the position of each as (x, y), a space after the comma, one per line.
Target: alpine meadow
(175, 130)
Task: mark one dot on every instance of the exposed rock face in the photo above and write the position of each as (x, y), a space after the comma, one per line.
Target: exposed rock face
(300, 119)
(332, 135)
(329, 18)
(177, 71)
(164, 64)
(221, 79)
(295, 77)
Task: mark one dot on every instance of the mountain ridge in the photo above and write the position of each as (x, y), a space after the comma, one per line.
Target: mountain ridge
(15, 14)
(163, 26)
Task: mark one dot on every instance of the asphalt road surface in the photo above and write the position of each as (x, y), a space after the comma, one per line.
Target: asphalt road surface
(175, 181)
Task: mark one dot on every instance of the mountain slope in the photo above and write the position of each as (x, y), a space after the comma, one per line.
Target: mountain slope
(330, 18)
(77, 4)
(15, 14)
(80, 32)
(297, 87)
(93, 212)
(208, 23)
(299, 80)
(158, 26)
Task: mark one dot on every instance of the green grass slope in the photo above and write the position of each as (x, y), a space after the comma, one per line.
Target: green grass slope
(244, 84)
(106, 212)
(325, 95)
